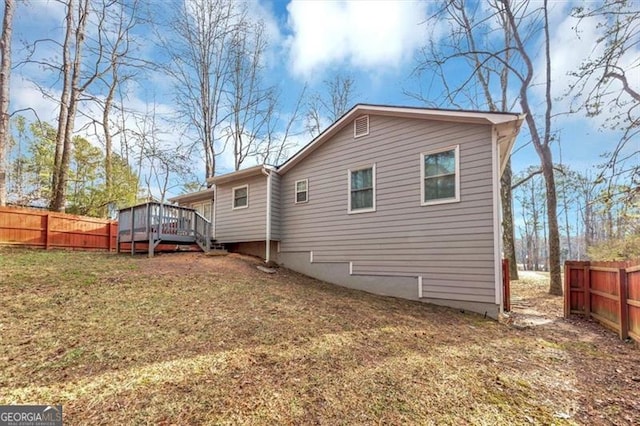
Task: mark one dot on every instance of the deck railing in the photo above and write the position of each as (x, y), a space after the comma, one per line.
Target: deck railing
(155, 222)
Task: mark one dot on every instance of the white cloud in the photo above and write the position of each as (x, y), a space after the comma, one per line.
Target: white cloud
(365, 34)
(39, 11)
(25, 94)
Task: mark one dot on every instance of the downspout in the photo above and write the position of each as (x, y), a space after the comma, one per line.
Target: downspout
(213, 213)
(497, 221)
(267, 251)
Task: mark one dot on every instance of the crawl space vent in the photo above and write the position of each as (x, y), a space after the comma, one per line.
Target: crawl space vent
(361, 126)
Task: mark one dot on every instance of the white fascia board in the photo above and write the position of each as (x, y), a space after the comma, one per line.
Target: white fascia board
(240, 174)
(203, 195)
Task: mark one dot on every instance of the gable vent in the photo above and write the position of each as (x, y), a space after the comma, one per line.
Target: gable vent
(361, 126)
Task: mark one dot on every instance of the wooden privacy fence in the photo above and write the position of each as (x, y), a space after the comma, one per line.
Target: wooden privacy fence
(608, 292)
(44, 229)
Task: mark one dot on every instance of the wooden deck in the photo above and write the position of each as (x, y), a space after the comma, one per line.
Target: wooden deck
(155, 223)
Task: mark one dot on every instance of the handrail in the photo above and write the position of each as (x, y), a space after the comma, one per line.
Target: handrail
(202, 230)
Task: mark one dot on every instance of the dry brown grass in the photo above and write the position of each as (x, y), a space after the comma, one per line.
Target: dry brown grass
(190, 339)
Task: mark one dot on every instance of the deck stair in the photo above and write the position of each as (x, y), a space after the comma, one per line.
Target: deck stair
(154, 223)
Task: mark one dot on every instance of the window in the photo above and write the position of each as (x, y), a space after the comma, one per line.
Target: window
(362, 190)
(302, 191)
(204, 209)
(241, 197)
(440, 176)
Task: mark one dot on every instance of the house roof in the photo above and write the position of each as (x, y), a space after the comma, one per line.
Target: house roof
(508, 125)
(240, 174)
(205, 194)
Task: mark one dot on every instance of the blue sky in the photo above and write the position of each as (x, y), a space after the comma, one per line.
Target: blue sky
(373, 41)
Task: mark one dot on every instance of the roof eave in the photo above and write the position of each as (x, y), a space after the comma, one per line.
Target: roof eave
(238, 175)
(192, 196)
(506, 139)
(477, 117)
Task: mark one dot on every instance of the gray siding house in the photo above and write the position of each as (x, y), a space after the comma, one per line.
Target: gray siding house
(396, 201)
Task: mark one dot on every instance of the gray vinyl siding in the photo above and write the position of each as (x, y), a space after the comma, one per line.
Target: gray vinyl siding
(241, 225)
(275, 206)
(450, 245)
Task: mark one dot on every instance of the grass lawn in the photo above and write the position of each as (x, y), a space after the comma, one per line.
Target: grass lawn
(190, 339)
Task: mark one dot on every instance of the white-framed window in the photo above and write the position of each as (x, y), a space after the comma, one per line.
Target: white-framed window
(240, 196)
(362, 189)
(301, 191)
(440, 176)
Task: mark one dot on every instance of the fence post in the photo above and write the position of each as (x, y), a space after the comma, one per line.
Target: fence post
(587, 290)
(118, 235)
(506, 286)
(109, 224)
(46, 231)
(622, 303)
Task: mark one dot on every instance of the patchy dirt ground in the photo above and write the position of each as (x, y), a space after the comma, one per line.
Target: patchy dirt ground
(190, 339)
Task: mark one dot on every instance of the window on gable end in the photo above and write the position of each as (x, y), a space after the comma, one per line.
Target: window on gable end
(362, 190)
(440, 173)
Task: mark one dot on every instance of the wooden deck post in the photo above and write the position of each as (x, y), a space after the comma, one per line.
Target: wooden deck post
(133, 242)
(567, 289)
(622, 303)
(149, 232)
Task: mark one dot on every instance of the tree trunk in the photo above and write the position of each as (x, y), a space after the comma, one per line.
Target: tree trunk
(5, 73)
(108, 143)
(64, 104)
(541, 144)
(507, 222)
(555, 286)
(60, 189)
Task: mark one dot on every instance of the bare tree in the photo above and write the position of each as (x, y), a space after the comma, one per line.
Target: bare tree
(607, 83)
(529, 192)
(71, 63)
(540, 135)
(5, 73)
(279, 138)
(250, 102)
(124, 20)
(199, 64)
(160, 164)
(326, 107)
(77, 76)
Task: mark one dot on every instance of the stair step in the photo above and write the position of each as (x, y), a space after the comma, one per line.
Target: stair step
(217, 252)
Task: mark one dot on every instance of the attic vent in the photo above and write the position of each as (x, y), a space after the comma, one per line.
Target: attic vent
(361, 126)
